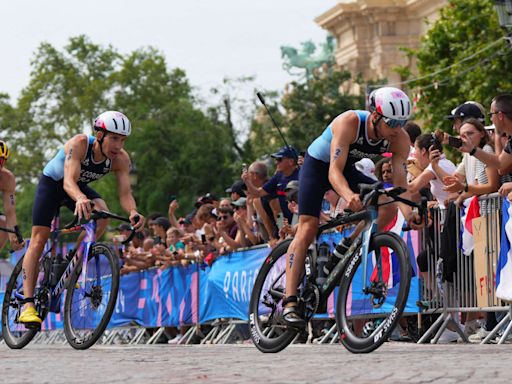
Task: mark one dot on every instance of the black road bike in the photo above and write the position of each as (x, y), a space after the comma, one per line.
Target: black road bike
(373, 276)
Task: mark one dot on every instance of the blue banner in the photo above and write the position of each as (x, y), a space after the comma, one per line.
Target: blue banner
(226, 287)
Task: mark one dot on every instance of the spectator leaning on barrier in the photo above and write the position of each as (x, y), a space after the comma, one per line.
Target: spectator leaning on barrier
(292, 197)
(286, 171)
(257, 174)
(501, 116)
(486, 176)
(245, 235)
(434, 168)
(470, 109)
(227, 231)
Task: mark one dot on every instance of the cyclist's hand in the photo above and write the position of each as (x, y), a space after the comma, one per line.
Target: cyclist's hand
(137, 225)
(15, 245)
(83, 208)
(354, 203)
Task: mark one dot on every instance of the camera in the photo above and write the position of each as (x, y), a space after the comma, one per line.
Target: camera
(454, 142)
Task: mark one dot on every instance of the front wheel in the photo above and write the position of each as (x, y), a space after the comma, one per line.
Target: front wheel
(369, 307)
(91, 301)
(268, 330)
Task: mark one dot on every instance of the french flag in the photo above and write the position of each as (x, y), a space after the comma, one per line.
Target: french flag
(390, 272)
(469, 211)
(504, 268)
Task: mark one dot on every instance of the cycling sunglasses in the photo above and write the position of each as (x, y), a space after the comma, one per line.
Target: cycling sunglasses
(393, 123)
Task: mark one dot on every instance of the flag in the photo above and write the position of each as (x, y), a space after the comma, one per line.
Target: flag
(389, 266)
(504, 267)
(469, 211)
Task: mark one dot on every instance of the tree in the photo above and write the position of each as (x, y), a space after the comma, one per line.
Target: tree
(461, 58)
(178, 149)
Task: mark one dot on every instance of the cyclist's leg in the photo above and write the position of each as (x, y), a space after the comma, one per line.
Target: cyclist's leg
(3, 235)
(49, 194)
(38, 239)
(313, 182)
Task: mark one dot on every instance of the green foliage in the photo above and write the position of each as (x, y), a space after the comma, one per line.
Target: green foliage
(177, 148)
(311, 105)
(465, 28)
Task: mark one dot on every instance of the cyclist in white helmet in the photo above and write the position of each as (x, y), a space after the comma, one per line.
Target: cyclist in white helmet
(330, 164)
(65, 181)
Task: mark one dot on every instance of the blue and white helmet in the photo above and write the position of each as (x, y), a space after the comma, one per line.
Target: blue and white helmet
(113, 121)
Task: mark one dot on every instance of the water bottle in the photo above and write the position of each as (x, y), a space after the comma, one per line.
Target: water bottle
(58, 267)
(322, 257)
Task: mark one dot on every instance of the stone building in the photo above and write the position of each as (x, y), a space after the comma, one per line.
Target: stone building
(370, 33)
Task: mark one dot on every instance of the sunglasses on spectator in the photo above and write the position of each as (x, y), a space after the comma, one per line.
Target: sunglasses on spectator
(393, 123)
(225, 217)
(492, 113)
(387, 171)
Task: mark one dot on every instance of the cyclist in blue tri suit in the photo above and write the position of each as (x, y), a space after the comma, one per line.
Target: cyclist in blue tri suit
(329, 163)
(65, 181)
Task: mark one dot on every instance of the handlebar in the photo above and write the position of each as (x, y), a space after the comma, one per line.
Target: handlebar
(16, 231)
(369, 195)
(97, 215)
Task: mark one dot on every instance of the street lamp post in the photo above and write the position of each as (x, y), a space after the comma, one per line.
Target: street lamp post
(504, 10)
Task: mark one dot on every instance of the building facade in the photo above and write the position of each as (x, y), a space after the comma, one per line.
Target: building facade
(370, 33)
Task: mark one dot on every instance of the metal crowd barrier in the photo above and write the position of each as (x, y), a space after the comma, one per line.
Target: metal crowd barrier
(473, 286)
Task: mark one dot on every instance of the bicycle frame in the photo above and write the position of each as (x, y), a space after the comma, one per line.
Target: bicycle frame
(83, 250)
(362, 240)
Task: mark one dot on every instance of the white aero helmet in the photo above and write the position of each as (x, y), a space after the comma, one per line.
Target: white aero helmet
(115, 122)
(393, 104)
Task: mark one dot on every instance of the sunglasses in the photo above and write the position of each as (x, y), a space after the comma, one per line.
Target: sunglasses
(492, 113)
(225, 217)
(237, 208)
(393, 123)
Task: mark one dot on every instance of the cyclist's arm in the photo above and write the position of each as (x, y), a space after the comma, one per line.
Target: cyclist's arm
(9, 197)
(344, 131)
(74, 150)
(121, 167)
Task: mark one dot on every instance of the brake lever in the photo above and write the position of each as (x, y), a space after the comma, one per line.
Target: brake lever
(136, 218)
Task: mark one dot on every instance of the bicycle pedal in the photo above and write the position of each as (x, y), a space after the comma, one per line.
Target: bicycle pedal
(32, 326)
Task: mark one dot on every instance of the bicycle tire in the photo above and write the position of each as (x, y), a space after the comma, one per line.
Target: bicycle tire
(378, 326)
(284, 335)
(75, 336)
(9, 335)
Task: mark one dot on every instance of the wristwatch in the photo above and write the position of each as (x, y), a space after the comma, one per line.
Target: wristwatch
(472, 152)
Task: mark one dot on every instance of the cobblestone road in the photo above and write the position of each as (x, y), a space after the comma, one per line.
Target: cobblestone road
(393, 363)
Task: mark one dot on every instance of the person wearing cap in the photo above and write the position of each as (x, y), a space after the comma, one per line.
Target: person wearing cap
(286, 171)
(292, 196)
(501, 116)
(237, 190)
(467, 167)
(245, 235)
(330, 163)
(261, 206)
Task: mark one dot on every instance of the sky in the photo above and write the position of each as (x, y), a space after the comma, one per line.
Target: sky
(209, 39)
